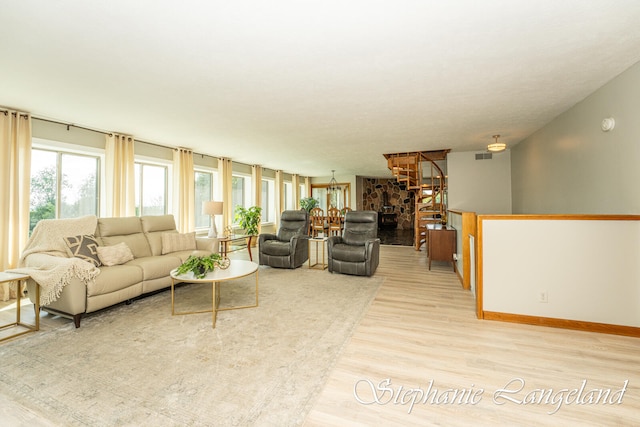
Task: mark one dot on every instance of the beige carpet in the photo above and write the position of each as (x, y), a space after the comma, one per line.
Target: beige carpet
(138, 365)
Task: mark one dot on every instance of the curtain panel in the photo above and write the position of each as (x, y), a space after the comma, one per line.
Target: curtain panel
(307, 186)
(184, 189)
(120, 174)
(295, 183)
(279, 196)
(225, 173)
(256, 181)
(15, 183)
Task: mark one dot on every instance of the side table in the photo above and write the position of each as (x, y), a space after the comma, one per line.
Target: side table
(225, 241)
(21, 279)
(323, 247)
(441, 245)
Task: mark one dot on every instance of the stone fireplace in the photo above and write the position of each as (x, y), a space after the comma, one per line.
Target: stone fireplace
(391, 200)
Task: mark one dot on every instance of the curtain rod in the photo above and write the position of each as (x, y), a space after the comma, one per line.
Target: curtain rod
(70, 125)
(14, 113)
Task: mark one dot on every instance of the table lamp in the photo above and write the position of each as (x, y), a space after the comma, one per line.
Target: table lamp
(212, 208)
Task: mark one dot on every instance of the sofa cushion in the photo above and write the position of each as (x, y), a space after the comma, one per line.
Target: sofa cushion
(350, 253)
(114, 255)
(151, 223)
(155, 267)
(276, 248)
(174, 242)
(113, 279)
(154, 226)
(83, 247)
(128, 230)
(119, 226)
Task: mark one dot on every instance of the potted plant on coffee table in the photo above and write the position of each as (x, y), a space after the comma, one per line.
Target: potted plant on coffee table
(249, 220)
(199, 266)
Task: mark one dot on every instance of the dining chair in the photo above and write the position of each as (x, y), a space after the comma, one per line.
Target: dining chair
(316, 219)
(334, 222)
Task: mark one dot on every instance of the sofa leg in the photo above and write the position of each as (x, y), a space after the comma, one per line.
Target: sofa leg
(76, 319)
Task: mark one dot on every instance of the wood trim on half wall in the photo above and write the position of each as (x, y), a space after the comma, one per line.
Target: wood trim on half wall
(578, 325)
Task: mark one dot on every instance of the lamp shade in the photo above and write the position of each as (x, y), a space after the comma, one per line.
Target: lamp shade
(212, 208)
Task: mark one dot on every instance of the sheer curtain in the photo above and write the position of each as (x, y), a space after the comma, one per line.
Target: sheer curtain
(15, 183)
(279, 199)
(225, 173)
(120, 174)
(184, 189)
(256, 181)
(307, 186)
(295, 184)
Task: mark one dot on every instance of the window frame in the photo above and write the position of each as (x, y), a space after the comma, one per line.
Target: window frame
(142, 160)
(247, 194)
(269, 205)
(61, 148)
(213, 195)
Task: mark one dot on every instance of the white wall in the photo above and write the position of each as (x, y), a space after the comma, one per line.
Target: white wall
(572, 166)
(454, 220)
(481, 186)
(589, 269)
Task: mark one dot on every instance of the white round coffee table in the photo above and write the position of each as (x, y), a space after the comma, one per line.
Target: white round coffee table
(237, 268)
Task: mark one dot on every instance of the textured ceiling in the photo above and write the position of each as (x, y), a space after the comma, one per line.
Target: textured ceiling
(309, 86)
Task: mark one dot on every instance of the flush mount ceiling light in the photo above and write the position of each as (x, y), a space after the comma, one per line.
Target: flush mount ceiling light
(496, 147)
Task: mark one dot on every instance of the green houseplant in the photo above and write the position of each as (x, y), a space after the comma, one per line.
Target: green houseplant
(249, 219)
(201, 265)
(308, 203)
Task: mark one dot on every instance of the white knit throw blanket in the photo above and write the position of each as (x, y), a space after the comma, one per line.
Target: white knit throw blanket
(57, 272)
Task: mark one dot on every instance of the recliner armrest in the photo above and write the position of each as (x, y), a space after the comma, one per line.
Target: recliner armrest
(266, 236)
(302, 238)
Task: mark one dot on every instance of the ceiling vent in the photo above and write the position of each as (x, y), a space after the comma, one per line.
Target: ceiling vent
(484, 156)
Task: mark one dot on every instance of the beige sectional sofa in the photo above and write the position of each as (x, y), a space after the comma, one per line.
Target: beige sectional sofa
(147, 272)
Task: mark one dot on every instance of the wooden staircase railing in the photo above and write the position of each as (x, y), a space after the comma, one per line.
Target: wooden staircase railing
(429, 191)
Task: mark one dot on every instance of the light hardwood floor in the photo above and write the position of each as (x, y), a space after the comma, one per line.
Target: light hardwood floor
(421, 328)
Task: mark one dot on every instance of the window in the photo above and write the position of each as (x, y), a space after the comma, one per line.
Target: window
(203, 192)
(288, 196)
(240, 191)
(151, 189)
(63, 185)
(268, 200)
(303, 191)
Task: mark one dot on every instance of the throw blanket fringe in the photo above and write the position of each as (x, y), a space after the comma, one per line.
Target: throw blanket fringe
(52, 278)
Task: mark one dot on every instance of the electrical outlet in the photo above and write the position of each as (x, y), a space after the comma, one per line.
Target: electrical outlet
(543, 296)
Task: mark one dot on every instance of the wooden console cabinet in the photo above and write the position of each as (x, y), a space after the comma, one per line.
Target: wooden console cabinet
(442, 245)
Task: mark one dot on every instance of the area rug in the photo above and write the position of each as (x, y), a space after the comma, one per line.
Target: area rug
(138, 365)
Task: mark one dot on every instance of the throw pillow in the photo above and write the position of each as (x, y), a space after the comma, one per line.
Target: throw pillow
(115, 255)
(83, 247)
(174, 242)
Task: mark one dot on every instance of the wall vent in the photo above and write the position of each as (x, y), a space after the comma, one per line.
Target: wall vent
(484, 156)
